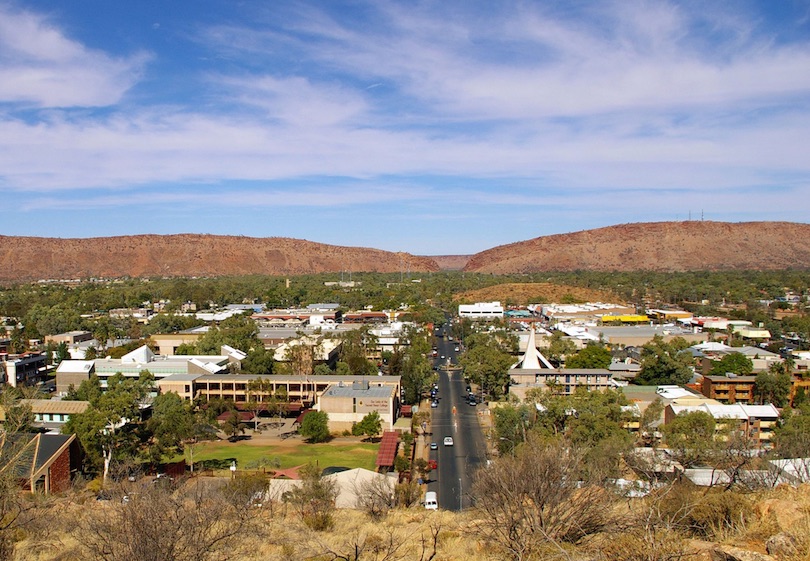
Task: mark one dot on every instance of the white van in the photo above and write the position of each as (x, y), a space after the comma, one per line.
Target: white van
(431, 502)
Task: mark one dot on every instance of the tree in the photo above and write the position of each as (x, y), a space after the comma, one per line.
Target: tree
(690, 437)
(19, 415)
(314, 499)
(663, 362)
(61, 353)
(488, 365)
(153, 525)
(105, 430)
(792, 437)
(233, 425)
(594, 355)
(735, 362)
(559, 347)
(176, 425)
(370, 425)
(315, 426)
(258, 361)
(537, 498)
(354, 348)
(774, 385)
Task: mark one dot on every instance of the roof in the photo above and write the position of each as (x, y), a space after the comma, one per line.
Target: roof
(179, 378)
(75, 366)
(141, 355)
(388, 449)
(383, 392)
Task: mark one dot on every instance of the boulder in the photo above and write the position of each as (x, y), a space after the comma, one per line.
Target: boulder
(786, 514)
(782, 545)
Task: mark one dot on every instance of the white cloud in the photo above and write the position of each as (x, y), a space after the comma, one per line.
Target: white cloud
(39, 65)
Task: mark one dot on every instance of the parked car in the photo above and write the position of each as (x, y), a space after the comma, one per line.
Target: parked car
(434, 404)
(434, 445)
(448, 440)
(431, 501)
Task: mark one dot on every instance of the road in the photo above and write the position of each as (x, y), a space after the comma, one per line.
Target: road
(454, 417)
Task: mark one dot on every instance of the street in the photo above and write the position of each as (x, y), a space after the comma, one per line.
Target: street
(454, 417)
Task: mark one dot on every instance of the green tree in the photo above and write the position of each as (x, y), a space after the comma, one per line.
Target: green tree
(737, 363)
(774, 385)
(370, 425)
(792, 436)
(105, 430)
(488, 366)
(594, 355)
(258, 361)
(559, 347)
(690, 437)
(663, 362)
(315, 426)
(61, 353)
(233, 425)
(176, 426)
(354, 348)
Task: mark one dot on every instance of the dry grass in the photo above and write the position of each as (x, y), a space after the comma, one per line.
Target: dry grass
(411, 534)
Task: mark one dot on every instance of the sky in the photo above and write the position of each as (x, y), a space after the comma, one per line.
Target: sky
(437, 128)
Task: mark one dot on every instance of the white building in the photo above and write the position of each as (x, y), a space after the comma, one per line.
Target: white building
(481, 310)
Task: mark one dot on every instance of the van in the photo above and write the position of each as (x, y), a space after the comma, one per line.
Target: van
(431, 502)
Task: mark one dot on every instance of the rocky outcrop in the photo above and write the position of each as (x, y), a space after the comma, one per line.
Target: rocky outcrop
(189, 255)
(659, 246)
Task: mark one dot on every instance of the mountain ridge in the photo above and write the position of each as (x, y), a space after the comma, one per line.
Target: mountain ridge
(655, 246)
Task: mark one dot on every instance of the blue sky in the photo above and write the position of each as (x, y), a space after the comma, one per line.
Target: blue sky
(443, 127)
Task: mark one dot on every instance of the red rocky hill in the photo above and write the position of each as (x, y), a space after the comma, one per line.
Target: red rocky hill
(186, 255)
(656, 246)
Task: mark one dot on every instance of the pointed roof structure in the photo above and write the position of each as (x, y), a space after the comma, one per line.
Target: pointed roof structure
(141, 355)
(532, 358)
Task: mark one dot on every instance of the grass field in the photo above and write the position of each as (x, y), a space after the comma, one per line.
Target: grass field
(251, 455)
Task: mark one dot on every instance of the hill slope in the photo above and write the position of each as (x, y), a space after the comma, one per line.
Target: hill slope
(656, 246)
(29, 258)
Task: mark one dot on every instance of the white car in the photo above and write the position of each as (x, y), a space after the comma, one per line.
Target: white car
(448, 440)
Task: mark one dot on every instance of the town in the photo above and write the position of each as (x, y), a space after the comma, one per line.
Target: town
(422, 405)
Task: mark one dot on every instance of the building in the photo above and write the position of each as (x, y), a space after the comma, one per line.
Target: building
(589, 312)
(51, 413)
(481, 311)
(534, 371)
(730, 388)
(347, 404)
(26, 369)
(44, 462)
(143, 359)
(69, 338)
(167, 343)
(756, 421)
(303, 391)
(73, 373)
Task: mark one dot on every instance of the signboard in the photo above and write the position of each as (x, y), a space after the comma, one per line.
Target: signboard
(367, 405)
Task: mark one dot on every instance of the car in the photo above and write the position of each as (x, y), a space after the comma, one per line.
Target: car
(434, 445)
(443, 357)
(448, 440)
(456, 349)
(431, 502)
(434, 404)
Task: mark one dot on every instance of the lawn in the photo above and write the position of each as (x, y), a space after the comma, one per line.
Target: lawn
(251, 455)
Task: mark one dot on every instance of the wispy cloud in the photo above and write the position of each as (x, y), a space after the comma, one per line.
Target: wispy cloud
(39, 65)
(605, 108)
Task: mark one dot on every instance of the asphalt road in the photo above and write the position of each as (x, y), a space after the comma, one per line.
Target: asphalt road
(454, 417)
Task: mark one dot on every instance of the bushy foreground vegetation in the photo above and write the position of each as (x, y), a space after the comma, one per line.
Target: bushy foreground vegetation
(547, 516)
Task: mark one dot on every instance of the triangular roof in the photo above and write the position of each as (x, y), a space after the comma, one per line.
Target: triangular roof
(532, 357)
(141, 355)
